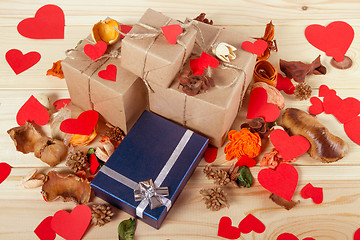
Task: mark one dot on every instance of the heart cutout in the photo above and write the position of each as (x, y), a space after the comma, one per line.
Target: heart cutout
(124, 29)
(251, 223)
(357, 235)
(324, 91)
(334, 39)
(226, 230)
(331, 103)
(58, 104)
(94, 164)
(289, 147)
(259, 107)
(258, 47)
(349, 108)
(72, 226)
(285, 84)
(5, 170)
(210, 154)
(95, 51)
(289, 236)
(315, 193)
(282, 181)
(48, 23)
(316, 106)
(109, 73)
(198, 65)
(83, 125)
(352, 129)
(20, 62)
(245, 161)
(44, 230)
(32, 111)
(171, 32)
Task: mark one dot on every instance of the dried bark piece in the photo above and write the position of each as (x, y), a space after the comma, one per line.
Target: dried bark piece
(215, 198)
(264, 71)
(269, 38)
(56, 70)
(50, 151)
(201, 18)
(274, 96)
(283, 202)
(24, 137)
(115, 133)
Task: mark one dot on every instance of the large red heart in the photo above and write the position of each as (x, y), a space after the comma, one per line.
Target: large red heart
(331, 103)
(285, 84)
(95, 51)
(357, 235)
(289, 147)
(5, 170)
(289, 236)
(198, 65)
(245, 161)
(20, 62)
(171, 32)
(83, 125)
(251, 223)
(72, 226)
(324, 91)
(258, 47)
(48, 23)
(316, 106)
(334, 39)
(259, 107)
(44, 230)
(352, 129)
(282, 181)
(32, 110)
(109, 73)
(349, 108)
(226, 230)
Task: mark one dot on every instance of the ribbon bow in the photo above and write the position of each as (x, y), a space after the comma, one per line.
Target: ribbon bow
(155, 196)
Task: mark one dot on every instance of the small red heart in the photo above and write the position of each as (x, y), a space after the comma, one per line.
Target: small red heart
(210, 154)
(171, 32)
(289, 236)
(125, 29)
(334, 39)
(32, 110)
(44, 230)
(72, 226)
(20, 62)
(226, 230)
(285, 84)
(316, 106)
(95, 51)
(109, 73)
(48, 23)
(282, 181)
(352, 129)
(259, 107)
(251, 223)
(83, 125)
(289, 147)
(94, 164)
(324, 91)
(245, 161)
(58, 104)
(258, 47)
(5, 170)
(315, 193)
(348, 109)
(198, 65)
(357, 235)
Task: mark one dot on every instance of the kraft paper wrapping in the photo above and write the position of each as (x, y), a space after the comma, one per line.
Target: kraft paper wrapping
(120, 103)
(212, 113)
(153, 58)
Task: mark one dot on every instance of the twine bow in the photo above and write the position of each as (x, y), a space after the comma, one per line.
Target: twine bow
(155, 196)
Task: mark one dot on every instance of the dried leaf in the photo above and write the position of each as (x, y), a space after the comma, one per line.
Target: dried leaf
(56, 70)
(245, 178)
(126, 229)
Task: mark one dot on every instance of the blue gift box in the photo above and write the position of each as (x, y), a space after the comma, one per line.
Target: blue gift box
(155, 149)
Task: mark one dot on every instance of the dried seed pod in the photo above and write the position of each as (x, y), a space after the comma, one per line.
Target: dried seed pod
(24, 137)
(224, 51)
(33, 179)
(50, 151)
(104, 31)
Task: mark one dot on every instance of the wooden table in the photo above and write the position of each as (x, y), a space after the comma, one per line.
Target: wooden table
(338, 217)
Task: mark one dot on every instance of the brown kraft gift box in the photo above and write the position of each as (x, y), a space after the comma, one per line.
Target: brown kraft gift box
(120, 102)
(213, 112)
(153, 58)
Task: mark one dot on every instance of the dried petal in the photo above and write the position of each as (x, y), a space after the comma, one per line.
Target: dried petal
(56, 70)
(224, 51)
(24, 137)
(33, 179)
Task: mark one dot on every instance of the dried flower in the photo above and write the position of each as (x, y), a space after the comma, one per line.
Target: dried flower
(201, 18)
(105, 31)
(273, 159)
(56, 70)
(101, 214)
(115, 134)
(274, 96)
(24, 137)
(283, 202)
(302, 91)
(77, 160)
(50, 151)
(126, 229)
(242, 143)
(193, 85)
(224, 51)
(256, 125)
(215, 198)
(269, 38)
(220, 176)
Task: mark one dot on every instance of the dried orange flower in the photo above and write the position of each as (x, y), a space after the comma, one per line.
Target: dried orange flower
(56, 70)
(273, 159)
(83, 140)
(242, 143)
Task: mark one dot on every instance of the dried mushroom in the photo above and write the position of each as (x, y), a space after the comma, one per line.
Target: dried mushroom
(50, 151)
(274, 96)
(67, 187)
(105, 31)
(33, 179)
(24, 137)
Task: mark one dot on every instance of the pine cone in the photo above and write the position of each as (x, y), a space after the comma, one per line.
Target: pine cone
(77, 160)
(220, 176)
(302, 91)
(101, 214)
(215, 198)
(115, 133)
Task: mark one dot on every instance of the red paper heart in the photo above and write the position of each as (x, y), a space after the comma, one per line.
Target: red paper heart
(20, 62)
(316, 106)
(95, 51)
(258, 47)
(48, 23)
(72, 226)
(58, 104)
(259, 107)
(324, 91)
(245, 161)
(285, 84)
(349, 108)
(331, 103)
(109, 73)
(357, 235)
(251, 223)
(124, 29)
(171, 32)
(352, 129)
(210, 154)
(282, 181)
(198, 65)
(44, 230)
(289, 147)
(5, 170)
(289, 236)
(83, 125)
(226, 230)
(94, 164)
(32, 110)
(334, 39)
(315, 193)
